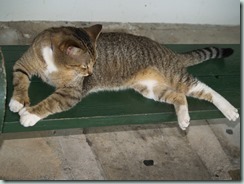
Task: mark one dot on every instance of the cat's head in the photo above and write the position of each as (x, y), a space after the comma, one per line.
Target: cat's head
(77, 48)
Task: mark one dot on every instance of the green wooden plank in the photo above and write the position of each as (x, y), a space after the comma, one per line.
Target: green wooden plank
(2, 90)
(128, 107)
(126, 102)
(84, 122)
(53, 124)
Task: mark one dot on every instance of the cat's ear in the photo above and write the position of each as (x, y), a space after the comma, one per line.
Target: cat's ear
(73, 51)
(70, 47)
(94, 31)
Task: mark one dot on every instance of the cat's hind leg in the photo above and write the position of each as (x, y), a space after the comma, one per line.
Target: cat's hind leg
(152, 89)
(202, 91)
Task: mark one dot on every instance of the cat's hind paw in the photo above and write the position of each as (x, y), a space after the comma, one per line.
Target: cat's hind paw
(232, 114)
(184, 124)
(229, 111)
(15, 106)
(183, 117)
(27, 119)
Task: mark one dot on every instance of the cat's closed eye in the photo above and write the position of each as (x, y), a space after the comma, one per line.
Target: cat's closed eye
(84, 66)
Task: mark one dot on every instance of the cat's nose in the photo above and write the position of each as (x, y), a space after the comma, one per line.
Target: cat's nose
(89, 72)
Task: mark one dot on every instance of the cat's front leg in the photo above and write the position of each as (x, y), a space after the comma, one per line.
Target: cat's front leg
(61, 100)
(21, 82)
(27, 117)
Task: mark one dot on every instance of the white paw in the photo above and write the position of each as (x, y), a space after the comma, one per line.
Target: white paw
(27, 119)
(183, 117)
(230, 112)
(15, 106)
(184, 124)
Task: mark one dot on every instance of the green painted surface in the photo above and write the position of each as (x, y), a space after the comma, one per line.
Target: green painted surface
(127, 107)
(2, 90)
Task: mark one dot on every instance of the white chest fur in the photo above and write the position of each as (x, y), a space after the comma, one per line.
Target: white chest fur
(47, 54)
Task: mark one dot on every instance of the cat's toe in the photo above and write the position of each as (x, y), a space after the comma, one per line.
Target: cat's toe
(184, 124)
(183, 117)
(231, 114)
(27, 119)
(15, 106)
(228, 110)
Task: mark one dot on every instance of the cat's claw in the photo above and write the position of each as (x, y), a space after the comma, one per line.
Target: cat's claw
(27, 119)
(15, 106)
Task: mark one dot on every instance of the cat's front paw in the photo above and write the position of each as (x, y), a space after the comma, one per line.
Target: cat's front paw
(28, 119)
(15, 106)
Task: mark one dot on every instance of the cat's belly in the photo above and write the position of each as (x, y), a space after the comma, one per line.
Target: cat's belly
(98, 89)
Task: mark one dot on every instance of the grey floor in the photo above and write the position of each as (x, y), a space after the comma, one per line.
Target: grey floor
(209, 150)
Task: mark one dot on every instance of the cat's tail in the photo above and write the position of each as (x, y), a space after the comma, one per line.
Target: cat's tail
(200, 55)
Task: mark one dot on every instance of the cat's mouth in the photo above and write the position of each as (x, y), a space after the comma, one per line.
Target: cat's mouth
(88, 74)
(83, 74)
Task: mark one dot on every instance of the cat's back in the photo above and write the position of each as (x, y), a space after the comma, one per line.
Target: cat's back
(129, 49)
(124, 42)
(121, 55)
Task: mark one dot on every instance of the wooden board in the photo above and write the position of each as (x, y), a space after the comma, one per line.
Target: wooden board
(126, 107)
(3, 90)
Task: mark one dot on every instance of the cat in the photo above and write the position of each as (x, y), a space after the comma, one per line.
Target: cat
(122, 61)
(61, 57)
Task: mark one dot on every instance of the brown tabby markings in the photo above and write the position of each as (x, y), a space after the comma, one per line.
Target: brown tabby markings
(63, 57)
(60, 57)
(163, 91)
(202, 95)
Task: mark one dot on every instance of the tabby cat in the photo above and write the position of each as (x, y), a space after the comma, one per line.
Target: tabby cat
(80, 61)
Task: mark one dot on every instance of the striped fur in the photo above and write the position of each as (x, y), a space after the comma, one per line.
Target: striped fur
(200, 55)
(61, 57)
(123, 61)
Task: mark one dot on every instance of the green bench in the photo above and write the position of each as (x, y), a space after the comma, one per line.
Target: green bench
(124, 107)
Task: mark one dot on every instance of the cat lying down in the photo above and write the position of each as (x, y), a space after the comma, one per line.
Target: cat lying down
(80, 61)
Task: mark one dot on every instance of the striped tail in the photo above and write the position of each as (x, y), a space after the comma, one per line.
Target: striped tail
(198, 56)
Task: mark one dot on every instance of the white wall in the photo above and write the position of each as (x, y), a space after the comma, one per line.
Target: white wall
(221, 12)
